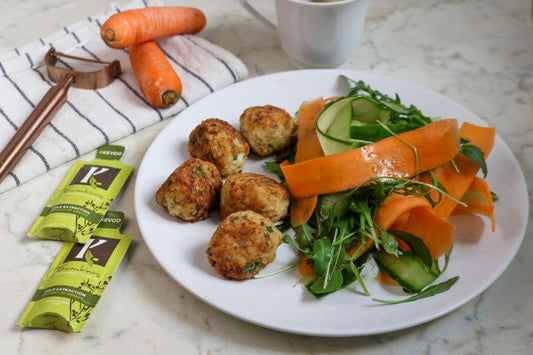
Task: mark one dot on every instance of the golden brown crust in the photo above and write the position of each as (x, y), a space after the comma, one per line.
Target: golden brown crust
(216, 141)
(243, 244)
(255, 192)
(191, 191)
(268, 129)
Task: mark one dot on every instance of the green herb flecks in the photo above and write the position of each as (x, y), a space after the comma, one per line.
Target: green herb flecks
(198, 170)
(251, 267)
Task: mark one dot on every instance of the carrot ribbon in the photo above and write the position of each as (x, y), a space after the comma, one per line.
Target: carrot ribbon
(403, 155)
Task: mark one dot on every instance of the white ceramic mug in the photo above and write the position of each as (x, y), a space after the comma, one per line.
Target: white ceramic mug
(317, 34)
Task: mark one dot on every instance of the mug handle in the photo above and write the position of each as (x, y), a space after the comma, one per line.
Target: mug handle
(257, 15)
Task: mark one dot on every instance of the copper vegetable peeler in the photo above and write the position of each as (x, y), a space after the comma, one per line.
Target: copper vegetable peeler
(52, 101)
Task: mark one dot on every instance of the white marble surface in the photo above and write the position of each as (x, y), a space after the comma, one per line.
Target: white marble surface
(477, 52)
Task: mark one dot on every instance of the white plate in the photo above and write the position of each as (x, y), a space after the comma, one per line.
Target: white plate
(279, 302)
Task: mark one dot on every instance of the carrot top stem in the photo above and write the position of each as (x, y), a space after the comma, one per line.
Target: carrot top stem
(170, 97)
(108, 35)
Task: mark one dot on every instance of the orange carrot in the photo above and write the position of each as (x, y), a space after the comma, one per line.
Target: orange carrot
(394, 213)
(403, 155)
(456, 179)
(395, 206)
(413, 214)
(305, 267)
(436, 232)
(156, 77)
(301, 209)
(400, 222)
(130, 27)
(307, 147)
(479, 200)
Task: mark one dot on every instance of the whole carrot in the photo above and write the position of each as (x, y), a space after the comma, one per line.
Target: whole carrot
(156, 77)
(129, 27)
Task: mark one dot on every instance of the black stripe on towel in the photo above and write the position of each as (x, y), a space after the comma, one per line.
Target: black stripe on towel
(188, 70)
(21, 92)
(15, 177)
(43, 159)
(106, 137)
(11, 123)
(29, 59)
(230, 70)
(75, 37)
(133, 128)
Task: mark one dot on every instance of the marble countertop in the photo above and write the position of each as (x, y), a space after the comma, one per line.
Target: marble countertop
(478, 52)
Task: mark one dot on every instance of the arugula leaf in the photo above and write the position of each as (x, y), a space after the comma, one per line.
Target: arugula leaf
(427, 292)
(288, 240)
(334, 206)
(417, 246)
(304, 235)
(474, 154)
(322, 251)
(274, 168)
(389, 243)
(321, 285)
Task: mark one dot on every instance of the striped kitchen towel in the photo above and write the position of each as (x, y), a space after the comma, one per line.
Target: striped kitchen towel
(91, 118)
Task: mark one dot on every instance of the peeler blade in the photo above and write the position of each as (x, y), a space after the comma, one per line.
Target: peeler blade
(82, 79)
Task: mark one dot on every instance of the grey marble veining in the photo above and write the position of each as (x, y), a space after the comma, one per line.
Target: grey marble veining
(478, 53)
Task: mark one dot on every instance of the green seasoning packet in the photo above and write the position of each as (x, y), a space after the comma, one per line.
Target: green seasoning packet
(77, 278)
(83, 197)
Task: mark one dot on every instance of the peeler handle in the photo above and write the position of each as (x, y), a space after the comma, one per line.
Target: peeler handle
(41, 115)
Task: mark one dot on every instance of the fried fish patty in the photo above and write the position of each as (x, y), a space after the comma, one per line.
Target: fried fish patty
(218, 142)
(243, 244)
(268, 129)
(191, 191)
(255, 192)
